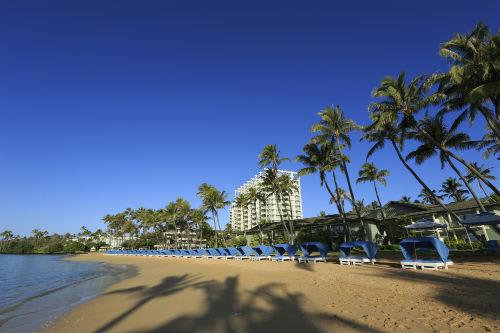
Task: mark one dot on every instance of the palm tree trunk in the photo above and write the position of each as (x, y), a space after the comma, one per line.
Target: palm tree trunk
(383, 213)
(285, 229)
(482, 188)
(292, 231)
(492, 123)
(471, 190)
(218, 223)
(215, 228)
(258, 222)
(356, 208)
(421, 182)
(341, 208)
(458, 158)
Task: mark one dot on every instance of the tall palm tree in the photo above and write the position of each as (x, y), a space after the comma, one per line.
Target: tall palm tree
(199, 218)
(317, 158)
(288, 188)
(272, 186)
(169, 215)
(183, 216)
(381, 131)
(429, 197)
(453, 190)
(241, 202)
(473, 81)
(334, 128)
(485, 171)
(213, 200)
(446, 138)
(401, 102)
(370, 173)
(270, 157)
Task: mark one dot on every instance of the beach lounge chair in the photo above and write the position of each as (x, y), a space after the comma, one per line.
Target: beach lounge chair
(224, 252)
(409, 247)
(247, 253)
(310, 247)
(284, 252)
(369, 248)
(234, 252)
(263, 252)
(213, 253)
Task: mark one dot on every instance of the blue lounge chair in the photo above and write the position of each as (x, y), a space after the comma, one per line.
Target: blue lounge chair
(284, 252)
(263, 252)
(369, 248)
(247, 253)
(213, 253)
(203, 253)
(224, 253)
(409, 246)
(310, 247)
(234, 252)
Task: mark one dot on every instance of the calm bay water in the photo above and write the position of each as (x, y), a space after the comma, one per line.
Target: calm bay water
(35, 289)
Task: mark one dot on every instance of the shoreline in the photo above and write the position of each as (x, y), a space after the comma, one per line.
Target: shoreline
(207, 295)
(31, 312)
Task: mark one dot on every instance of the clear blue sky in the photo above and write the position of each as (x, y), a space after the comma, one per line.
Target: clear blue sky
(112, 104)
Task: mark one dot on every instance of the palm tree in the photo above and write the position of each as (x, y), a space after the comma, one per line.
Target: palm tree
(271, 184)
(485, 171)
(491, 145)
(270, 157)
(429, 197)
(317, 158)
(370, 173)
(169, 215)
(381, 131)
(453, 190)
(182, 215)
(335, 129)
(473, 81)
(405, 199)
(199, 218)
(288, 188)
(241, 202)
(400, 102)
(447, 138)
(6, 235)
(213, 200)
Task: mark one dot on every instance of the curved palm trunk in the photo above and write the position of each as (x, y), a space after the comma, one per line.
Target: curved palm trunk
(218, 223)
(356, 208)
(492, 123)
(341, 208)
(285, 229)
(421, 182)
(482, 188)
(471, 190)
(389, 229)
(458, 158)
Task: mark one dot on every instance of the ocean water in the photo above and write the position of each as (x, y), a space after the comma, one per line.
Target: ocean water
(36, 289)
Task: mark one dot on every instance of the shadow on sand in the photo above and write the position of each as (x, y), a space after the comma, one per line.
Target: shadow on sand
(268, 308)
(463, 293)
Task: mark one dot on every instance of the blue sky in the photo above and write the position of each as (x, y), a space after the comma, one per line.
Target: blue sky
(106, 105)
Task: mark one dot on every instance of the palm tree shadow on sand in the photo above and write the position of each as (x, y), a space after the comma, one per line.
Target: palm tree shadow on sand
(269, 308)
(168, 286)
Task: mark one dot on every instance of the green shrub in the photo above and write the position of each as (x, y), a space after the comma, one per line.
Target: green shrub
(73, 247)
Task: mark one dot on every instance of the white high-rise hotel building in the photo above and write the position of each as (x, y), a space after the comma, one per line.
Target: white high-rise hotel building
(244, 218)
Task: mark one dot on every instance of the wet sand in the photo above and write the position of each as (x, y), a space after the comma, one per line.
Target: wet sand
(207, 295)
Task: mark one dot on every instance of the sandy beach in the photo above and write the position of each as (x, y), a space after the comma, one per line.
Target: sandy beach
(206, 295)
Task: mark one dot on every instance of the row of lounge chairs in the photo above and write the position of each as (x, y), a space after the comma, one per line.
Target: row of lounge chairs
(278, 252)
(312, 252)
